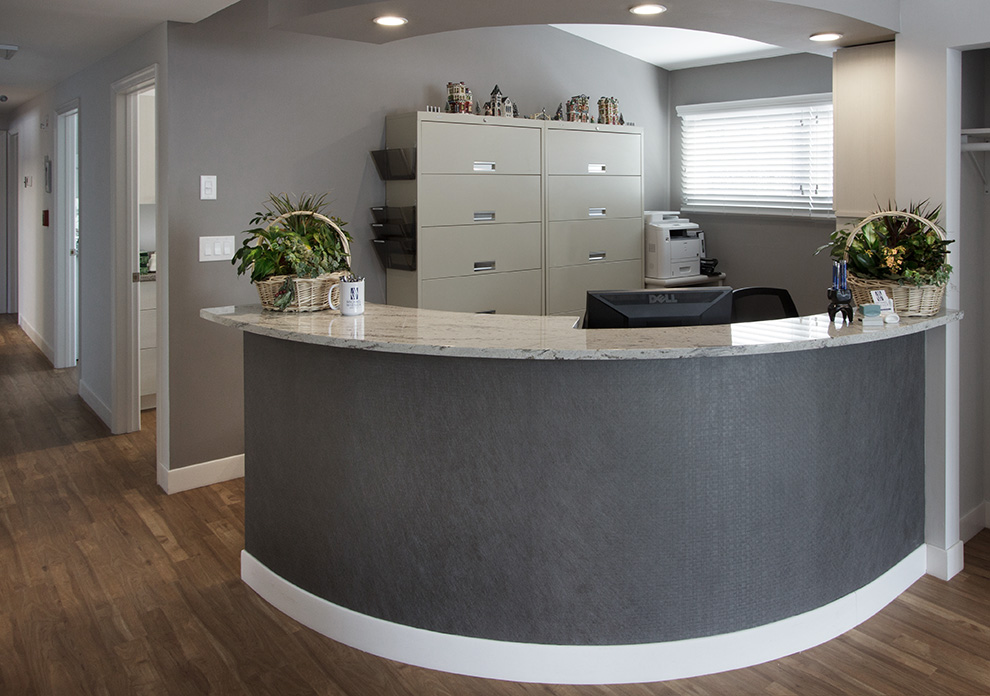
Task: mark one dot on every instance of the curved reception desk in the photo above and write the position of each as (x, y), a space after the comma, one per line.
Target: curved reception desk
(514, 498)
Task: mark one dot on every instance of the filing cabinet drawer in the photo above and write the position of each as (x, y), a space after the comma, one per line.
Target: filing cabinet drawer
(594, 241)
(567, 287)
(461, 148)
(593, 152)
(475, 250)
(478, 200)
(591, 197)
(519, 292)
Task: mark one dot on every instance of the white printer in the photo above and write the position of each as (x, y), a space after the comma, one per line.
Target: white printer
(674, 245)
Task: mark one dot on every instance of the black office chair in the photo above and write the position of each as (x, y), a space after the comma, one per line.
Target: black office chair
(759, 304)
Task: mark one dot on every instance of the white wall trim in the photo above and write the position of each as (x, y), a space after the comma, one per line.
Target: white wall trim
(199, 475)
(94, 402)
(37, 338)
(944, 564)
(975, 521)
(568, 664)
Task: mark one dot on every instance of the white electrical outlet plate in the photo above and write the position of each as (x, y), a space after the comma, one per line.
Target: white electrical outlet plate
(216, 248)
(207, 188)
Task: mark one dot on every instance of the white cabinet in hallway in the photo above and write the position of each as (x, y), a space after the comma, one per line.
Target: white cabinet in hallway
(148, 342)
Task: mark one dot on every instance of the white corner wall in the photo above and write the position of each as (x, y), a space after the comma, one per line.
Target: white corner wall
(34, 124)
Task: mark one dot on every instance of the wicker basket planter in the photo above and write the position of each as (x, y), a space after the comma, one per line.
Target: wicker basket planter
(909, 300)
(310, 294)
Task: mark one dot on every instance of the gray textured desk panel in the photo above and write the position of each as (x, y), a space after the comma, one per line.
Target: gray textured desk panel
(584, 501)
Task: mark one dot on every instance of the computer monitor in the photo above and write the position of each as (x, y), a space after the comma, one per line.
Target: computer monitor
(621, 309)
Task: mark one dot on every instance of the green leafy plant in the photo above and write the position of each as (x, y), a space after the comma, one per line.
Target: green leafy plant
(300, 245)
(895, 247)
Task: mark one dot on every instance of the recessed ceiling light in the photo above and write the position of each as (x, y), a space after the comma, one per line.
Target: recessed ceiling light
(826, 36)
(650, 9)
(391, 21)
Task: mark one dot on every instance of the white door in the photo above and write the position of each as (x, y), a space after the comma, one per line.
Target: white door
(67, 236)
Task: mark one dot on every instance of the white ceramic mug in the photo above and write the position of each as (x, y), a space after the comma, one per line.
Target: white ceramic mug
(351, 297)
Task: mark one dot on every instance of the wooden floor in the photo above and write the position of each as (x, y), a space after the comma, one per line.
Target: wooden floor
(109, 586)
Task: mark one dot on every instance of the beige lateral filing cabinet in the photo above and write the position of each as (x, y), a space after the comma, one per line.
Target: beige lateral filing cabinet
(516, 216)
(594, 212)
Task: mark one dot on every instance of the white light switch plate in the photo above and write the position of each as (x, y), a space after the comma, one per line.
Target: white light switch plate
(207, 188)
(216, 248)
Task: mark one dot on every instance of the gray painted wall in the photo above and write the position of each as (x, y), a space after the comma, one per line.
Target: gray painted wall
(758, 250)
(266, 110)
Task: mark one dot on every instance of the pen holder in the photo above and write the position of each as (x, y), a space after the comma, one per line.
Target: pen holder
(840, 303)
(351, 296)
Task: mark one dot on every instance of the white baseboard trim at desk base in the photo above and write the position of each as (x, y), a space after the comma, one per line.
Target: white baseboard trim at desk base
(568, 664)
(199, 475)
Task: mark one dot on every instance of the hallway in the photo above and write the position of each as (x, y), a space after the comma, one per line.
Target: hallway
(109, 586)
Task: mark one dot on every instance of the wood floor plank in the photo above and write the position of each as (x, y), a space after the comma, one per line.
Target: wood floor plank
(109, 586)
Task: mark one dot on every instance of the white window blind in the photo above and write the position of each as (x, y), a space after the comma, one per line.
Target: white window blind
(758, 156)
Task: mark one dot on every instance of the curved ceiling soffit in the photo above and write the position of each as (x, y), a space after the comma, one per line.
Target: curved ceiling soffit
(785, 23)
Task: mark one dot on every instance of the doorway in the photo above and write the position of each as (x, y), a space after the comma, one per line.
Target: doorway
(67, 236)
(136, 327)
(13, 208)
(4, 260)
(146, 243)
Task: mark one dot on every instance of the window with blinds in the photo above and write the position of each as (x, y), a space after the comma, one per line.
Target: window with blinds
(770, 156)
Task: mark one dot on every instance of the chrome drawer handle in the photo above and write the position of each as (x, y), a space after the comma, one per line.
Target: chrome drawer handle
(484, 166)
(596, 212)
(484, 216)
(596, 256)
(596, 168)
(484, 266)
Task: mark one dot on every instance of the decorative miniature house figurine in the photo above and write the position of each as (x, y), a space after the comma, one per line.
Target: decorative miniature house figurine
(500, 105)
(494, 106)
(578, 109)
(608, 111)
(459, 98)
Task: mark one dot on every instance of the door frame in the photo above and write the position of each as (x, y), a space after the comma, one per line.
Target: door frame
(4, 195)
(66, 271)
(13, 220)
(125, 379)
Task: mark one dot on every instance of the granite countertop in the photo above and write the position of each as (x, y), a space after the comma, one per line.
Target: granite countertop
(392, 329)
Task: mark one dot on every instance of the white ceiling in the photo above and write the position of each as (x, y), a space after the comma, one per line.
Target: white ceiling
(57, 38)
(672, 48)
